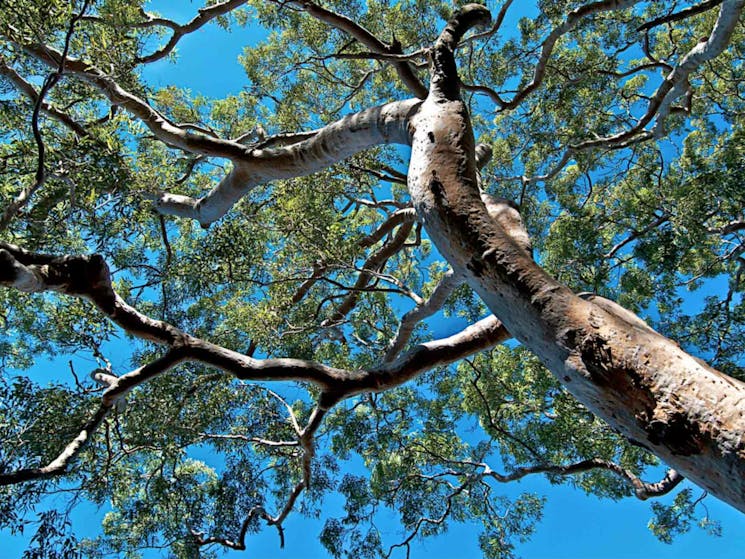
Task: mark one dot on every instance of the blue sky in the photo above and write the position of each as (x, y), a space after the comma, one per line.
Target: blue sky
(574, 525)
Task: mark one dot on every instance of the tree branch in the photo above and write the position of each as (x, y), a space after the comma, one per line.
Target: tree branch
(444, 81)
(434, 303)
(80, 276)
(252, 166)
(305, 440)
(729, 228)
(158, 124)
(29, 91)
(88, 277)
(302, 291)
(676, 82)
(638, 381)
(116, 390)
(642, 490)
(386, 124)
(682, 14)
(49, 82)
(204, 16)
(370, 41)
(374, 263)
(635, 234)
(573, 18)
(398, 217)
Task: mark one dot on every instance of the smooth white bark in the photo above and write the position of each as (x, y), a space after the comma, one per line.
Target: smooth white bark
(449, 281)
(387, 124)
(707, 49)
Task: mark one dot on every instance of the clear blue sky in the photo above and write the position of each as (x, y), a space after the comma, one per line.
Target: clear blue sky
(574, 525)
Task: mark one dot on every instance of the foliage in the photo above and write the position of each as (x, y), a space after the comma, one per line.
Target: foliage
(194, 453)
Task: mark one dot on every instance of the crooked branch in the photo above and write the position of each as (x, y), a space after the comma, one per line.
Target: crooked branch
(163, 129)
(643, 490)
(675, 83)
(88, 277)
(682, 14)
(204, 16)
(367, 39)
(60, 465)
(427, 308)
(572, 20)
(49, 82)
(30, 91)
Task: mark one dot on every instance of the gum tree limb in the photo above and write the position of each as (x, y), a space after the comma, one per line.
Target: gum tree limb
(88, 277)
(675, 83)
(420, 312)
(639, 382)
(642, 490)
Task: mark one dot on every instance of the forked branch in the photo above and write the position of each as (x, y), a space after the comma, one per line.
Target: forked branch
(204, 16)
(60, 465)
(367, 39)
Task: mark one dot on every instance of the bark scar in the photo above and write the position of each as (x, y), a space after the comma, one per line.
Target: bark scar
(676, 432)
(438, 189)
(662, 425)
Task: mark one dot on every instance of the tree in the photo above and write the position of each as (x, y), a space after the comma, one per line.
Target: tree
(272, 266)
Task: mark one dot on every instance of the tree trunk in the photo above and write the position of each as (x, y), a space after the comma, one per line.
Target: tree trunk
(644, 385)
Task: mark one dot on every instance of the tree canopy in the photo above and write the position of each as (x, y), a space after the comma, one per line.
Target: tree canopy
(313, 311)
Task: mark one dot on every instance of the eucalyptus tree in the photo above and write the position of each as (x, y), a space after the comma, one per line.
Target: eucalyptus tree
(273, 266)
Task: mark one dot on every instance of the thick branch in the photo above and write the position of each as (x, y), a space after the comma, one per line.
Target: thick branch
(59, 465)
(80, 276)
(729, 228)
(88, 277)
(398, 217)
(252, 166)
(484, 334)
(444, 82)
(386, 124)
(495, 26)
